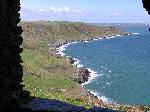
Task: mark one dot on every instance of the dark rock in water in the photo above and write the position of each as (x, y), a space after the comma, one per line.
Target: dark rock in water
(82, 76)
(83, 71)
(127, 33)
(57, 45)
(71, 60)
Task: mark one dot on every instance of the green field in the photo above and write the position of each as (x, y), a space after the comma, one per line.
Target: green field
(50, 77)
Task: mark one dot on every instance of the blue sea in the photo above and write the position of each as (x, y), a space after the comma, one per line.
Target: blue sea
(122, 65)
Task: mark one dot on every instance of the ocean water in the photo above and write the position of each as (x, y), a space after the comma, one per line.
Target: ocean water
(122, 65)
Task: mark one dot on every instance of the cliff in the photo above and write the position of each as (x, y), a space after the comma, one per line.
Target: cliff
(47, 75)
(50, 74)
(59, 32)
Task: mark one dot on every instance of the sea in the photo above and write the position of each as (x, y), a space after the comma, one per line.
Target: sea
(120, 66)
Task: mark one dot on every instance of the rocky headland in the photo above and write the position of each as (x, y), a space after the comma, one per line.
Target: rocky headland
(49, 75)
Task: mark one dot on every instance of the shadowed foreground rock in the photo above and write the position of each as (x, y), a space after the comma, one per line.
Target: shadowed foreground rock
(59, 106)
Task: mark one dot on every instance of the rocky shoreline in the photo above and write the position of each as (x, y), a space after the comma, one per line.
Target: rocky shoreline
(83, 74)
(58, 45)
(43, 45)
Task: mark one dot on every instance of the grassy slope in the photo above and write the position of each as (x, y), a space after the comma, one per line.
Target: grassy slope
(47, 75)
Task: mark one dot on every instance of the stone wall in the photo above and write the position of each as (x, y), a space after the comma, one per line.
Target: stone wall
(146, 5)
(11, 71)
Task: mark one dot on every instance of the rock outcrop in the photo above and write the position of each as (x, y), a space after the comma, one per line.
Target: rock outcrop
(82, 76)
(71, 60)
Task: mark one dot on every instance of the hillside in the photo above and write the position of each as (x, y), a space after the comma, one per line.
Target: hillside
(47, 75)
(46, 34)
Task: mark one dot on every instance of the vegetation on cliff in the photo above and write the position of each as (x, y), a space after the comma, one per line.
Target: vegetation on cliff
(47, 75)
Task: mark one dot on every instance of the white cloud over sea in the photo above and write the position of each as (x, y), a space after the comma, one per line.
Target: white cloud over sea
(50, 13)
(62, 10)
(70, 13)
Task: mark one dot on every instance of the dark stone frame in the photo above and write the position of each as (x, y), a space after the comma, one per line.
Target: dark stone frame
(11, 70)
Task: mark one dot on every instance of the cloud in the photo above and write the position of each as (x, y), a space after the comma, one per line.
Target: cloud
(62, 10)
(70, 14)
(116, 14)
(52, 13)
(126, 14)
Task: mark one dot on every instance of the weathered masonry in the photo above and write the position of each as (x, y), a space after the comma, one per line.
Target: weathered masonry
(11, 71)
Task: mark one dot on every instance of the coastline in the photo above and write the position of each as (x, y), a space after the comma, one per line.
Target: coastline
(51, 76)
(92, 74)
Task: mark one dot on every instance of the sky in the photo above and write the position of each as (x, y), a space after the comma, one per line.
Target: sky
(90, 11)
